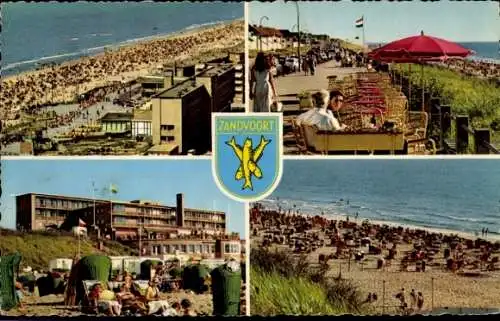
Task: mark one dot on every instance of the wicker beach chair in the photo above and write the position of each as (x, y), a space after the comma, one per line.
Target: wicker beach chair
(299, 138)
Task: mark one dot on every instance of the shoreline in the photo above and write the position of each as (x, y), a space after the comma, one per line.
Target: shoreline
(438, 230)
(125, 44)
(462, 279)
(61, 83)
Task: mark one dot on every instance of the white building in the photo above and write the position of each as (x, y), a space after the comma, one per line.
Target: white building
(141, 123)
(265, 39)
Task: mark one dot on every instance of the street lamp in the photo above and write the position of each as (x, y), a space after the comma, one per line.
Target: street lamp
(293, 27)
(298, 32)
(260, 25)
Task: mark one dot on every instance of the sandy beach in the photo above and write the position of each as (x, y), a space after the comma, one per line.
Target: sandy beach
(475, 284)
(61, 83)
(53, 305)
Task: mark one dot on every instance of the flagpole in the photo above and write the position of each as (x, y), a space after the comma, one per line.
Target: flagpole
(227, 219)
(93, 198)
(363, 17)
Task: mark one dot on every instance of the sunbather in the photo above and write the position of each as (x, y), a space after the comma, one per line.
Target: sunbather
(130, 301)
(156, 305)
(104, 300)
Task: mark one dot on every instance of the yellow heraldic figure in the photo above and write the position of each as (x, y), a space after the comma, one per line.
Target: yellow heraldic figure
(248, 158)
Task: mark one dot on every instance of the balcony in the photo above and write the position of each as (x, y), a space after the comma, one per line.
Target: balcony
(136, 225)
(145, 215)
(204, 219)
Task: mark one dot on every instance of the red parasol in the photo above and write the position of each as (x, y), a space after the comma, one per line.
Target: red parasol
(419, 49)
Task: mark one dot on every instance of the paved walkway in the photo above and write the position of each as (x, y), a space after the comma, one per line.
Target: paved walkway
(290, 85)
(297, 82)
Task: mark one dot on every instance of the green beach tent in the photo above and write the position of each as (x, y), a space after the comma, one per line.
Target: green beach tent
(9, 265)
(226, 289)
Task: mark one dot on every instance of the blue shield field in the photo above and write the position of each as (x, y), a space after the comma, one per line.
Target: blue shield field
(247, 152)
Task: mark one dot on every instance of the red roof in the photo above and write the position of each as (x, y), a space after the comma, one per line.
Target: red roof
(265, 31)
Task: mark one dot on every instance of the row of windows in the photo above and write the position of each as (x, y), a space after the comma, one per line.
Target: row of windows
(200, 225)
(204, 216)
(41, 202)
(194, 248)
(141, 128)
(184, 248)
(165, 139)
(125, 220)
(167, 127)
(143, 211)
(49, 213)
(232, 248)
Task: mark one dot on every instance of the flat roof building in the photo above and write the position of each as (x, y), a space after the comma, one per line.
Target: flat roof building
(220, 82)
(116, 123)
(182, 116)
(153, 228)
(37, 211)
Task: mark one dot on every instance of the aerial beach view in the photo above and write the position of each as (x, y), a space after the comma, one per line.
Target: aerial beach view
(378, 237)
(123, 241)
(88, 81)
(350, 81)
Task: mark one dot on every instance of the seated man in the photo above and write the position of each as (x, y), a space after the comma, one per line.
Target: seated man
(320, 116)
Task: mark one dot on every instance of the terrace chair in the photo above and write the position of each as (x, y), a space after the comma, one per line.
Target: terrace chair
(416, 134)
(87, 286)
(299, 138)
(308, 132)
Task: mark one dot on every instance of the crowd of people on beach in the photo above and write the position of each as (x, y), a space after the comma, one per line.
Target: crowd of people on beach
(59, 84)
(128, 297)
(352, 240)
(475, 68)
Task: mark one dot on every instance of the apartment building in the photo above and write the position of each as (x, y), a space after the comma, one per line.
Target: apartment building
(220, 83)
(181, 118)
(114, 218)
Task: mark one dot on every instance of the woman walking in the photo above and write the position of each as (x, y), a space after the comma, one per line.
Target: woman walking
(264, 92)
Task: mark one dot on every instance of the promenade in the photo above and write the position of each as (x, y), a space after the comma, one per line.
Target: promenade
(290, 85)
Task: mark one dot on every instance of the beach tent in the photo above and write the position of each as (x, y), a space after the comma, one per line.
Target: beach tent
(92, 267)
(9, 265)
(226, 289)
(419, 49)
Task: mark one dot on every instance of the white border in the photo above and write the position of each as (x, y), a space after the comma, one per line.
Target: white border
(390, 157)
(247, 257)
(110, 157)
(246, 68)
(279, 146)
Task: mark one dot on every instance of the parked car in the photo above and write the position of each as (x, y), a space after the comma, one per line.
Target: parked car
(292, 64)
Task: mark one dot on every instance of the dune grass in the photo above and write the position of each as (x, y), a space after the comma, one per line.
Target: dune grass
(472, 96)
(274, 294)
(39, 248)
(284, 283)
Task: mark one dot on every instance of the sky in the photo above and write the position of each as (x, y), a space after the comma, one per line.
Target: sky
(464, 21)
(153, 180)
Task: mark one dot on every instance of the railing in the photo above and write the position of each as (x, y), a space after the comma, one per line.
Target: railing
(443, 117)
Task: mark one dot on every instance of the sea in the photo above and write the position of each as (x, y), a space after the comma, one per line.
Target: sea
(484, 50)
(453, 194)
(41, 33)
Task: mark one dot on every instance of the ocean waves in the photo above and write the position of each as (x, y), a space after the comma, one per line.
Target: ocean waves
(401, 213)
